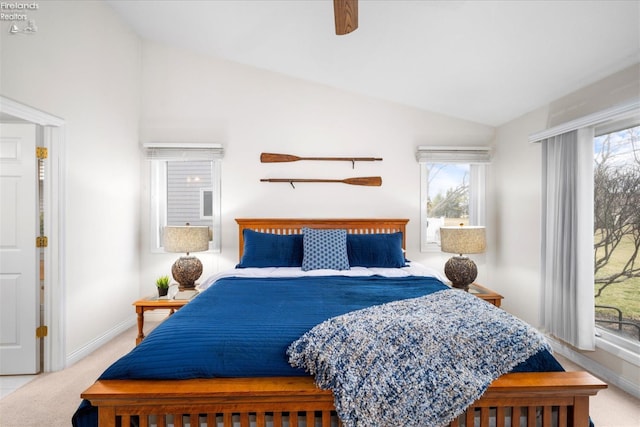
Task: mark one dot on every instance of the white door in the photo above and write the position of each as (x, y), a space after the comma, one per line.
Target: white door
(19, 226)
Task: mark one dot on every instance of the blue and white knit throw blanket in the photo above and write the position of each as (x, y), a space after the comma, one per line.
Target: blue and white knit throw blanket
(419, 362)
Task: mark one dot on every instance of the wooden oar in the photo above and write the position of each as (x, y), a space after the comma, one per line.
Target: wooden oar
(373, 181)
(279, 158)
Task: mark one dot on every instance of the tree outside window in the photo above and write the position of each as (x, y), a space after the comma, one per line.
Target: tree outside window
(617, 232)
(447, 197)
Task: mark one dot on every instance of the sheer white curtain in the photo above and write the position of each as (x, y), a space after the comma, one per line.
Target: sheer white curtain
(567, 238)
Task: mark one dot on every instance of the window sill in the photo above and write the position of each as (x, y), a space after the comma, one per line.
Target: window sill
(621, 348)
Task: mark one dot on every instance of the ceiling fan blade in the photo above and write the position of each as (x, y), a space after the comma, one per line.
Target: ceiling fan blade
(346, 16)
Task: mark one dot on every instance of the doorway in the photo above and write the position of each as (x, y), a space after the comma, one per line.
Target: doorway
(52, 220)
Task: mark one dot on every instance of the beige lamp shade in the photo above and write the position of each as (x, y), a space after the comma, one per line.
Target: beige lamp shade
(463, 240)
(185, 238)
(459, 269)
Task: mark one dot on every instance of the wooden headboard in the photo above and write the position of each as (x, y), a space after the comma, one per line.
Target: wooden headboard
(294, 226)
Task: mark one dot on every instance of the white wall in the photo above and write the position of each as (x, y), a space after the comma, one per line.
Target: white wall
(514, 220)
(83, 65)
(189, 97)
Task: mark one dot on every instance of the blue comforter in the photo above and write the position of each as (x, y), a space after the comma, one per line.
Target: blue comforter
(241, 327)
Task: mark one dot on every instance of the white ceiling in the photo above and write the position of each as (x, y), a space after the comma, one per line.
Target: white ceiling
(485, 61)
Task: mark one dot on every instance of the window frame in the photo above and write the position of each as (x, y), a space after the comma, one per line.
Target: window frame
(605, 338)
(158, 154)
(478, 159)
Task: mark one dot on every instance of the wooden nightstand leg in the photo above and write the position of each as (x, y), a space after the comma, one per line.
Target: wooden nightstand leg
(140, 337)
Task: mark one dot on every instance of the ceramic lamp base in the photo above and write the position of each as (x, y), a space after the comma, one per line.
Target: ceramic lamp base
(461, 271)
(186, 270)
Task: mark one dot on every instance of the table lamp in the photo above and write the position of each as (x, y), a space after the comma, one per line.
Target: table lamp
(460, 270)
(187, 269)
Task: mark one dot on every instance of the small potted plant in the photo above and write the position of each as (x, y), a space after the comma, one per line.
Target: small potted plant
(162, 283)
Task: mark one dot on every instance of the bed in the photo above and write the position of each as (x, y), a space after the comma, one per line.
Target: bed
(252, 391)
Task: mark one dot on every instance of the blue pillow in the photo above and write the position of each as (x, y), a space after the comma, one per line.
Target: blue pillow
(375, 250)
(271, 250)
(324, 249)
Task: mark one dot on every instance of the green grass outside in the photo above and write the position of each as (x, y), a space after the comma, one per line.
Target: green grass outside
(624, 295)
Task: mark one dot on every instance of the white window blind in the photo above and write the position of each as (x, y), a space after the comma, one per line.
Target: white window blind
(186, 151)
(431, 154)
(618, 113)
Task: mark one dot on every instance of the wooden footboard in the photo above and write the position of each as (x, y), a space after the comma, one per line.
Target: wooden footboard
(536, 399)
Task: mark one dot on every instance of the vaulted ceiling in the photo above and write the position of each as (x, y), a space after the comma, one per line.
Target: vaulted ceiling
(484, 61)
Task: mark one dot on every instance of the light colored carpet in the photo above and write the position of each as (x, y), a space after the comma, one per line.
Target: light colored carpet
(51, 399)
(611, 407)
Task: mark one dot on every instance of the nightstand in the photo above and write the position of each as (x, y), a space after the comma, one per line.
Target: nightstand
(154, 303)
(486, 294)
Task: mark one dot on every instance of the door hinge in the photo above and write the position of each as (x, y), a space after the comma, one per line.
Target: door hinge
(42, 242)
(42, 331)
(42, 152)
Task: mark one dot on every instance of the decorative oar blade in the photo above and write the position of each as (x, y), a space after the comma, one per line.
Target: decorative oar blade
(373, 181)
(277, 158)
(345, 15)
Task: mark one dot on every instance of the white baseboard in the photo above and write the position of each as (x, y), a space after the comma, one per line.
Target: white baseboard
(98, 342)
(602, 372)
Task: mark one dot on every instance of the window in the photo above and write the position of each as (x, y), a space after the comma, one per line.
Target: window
(452, 187)
(617, 233)
(568, 219)
(185, 188)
